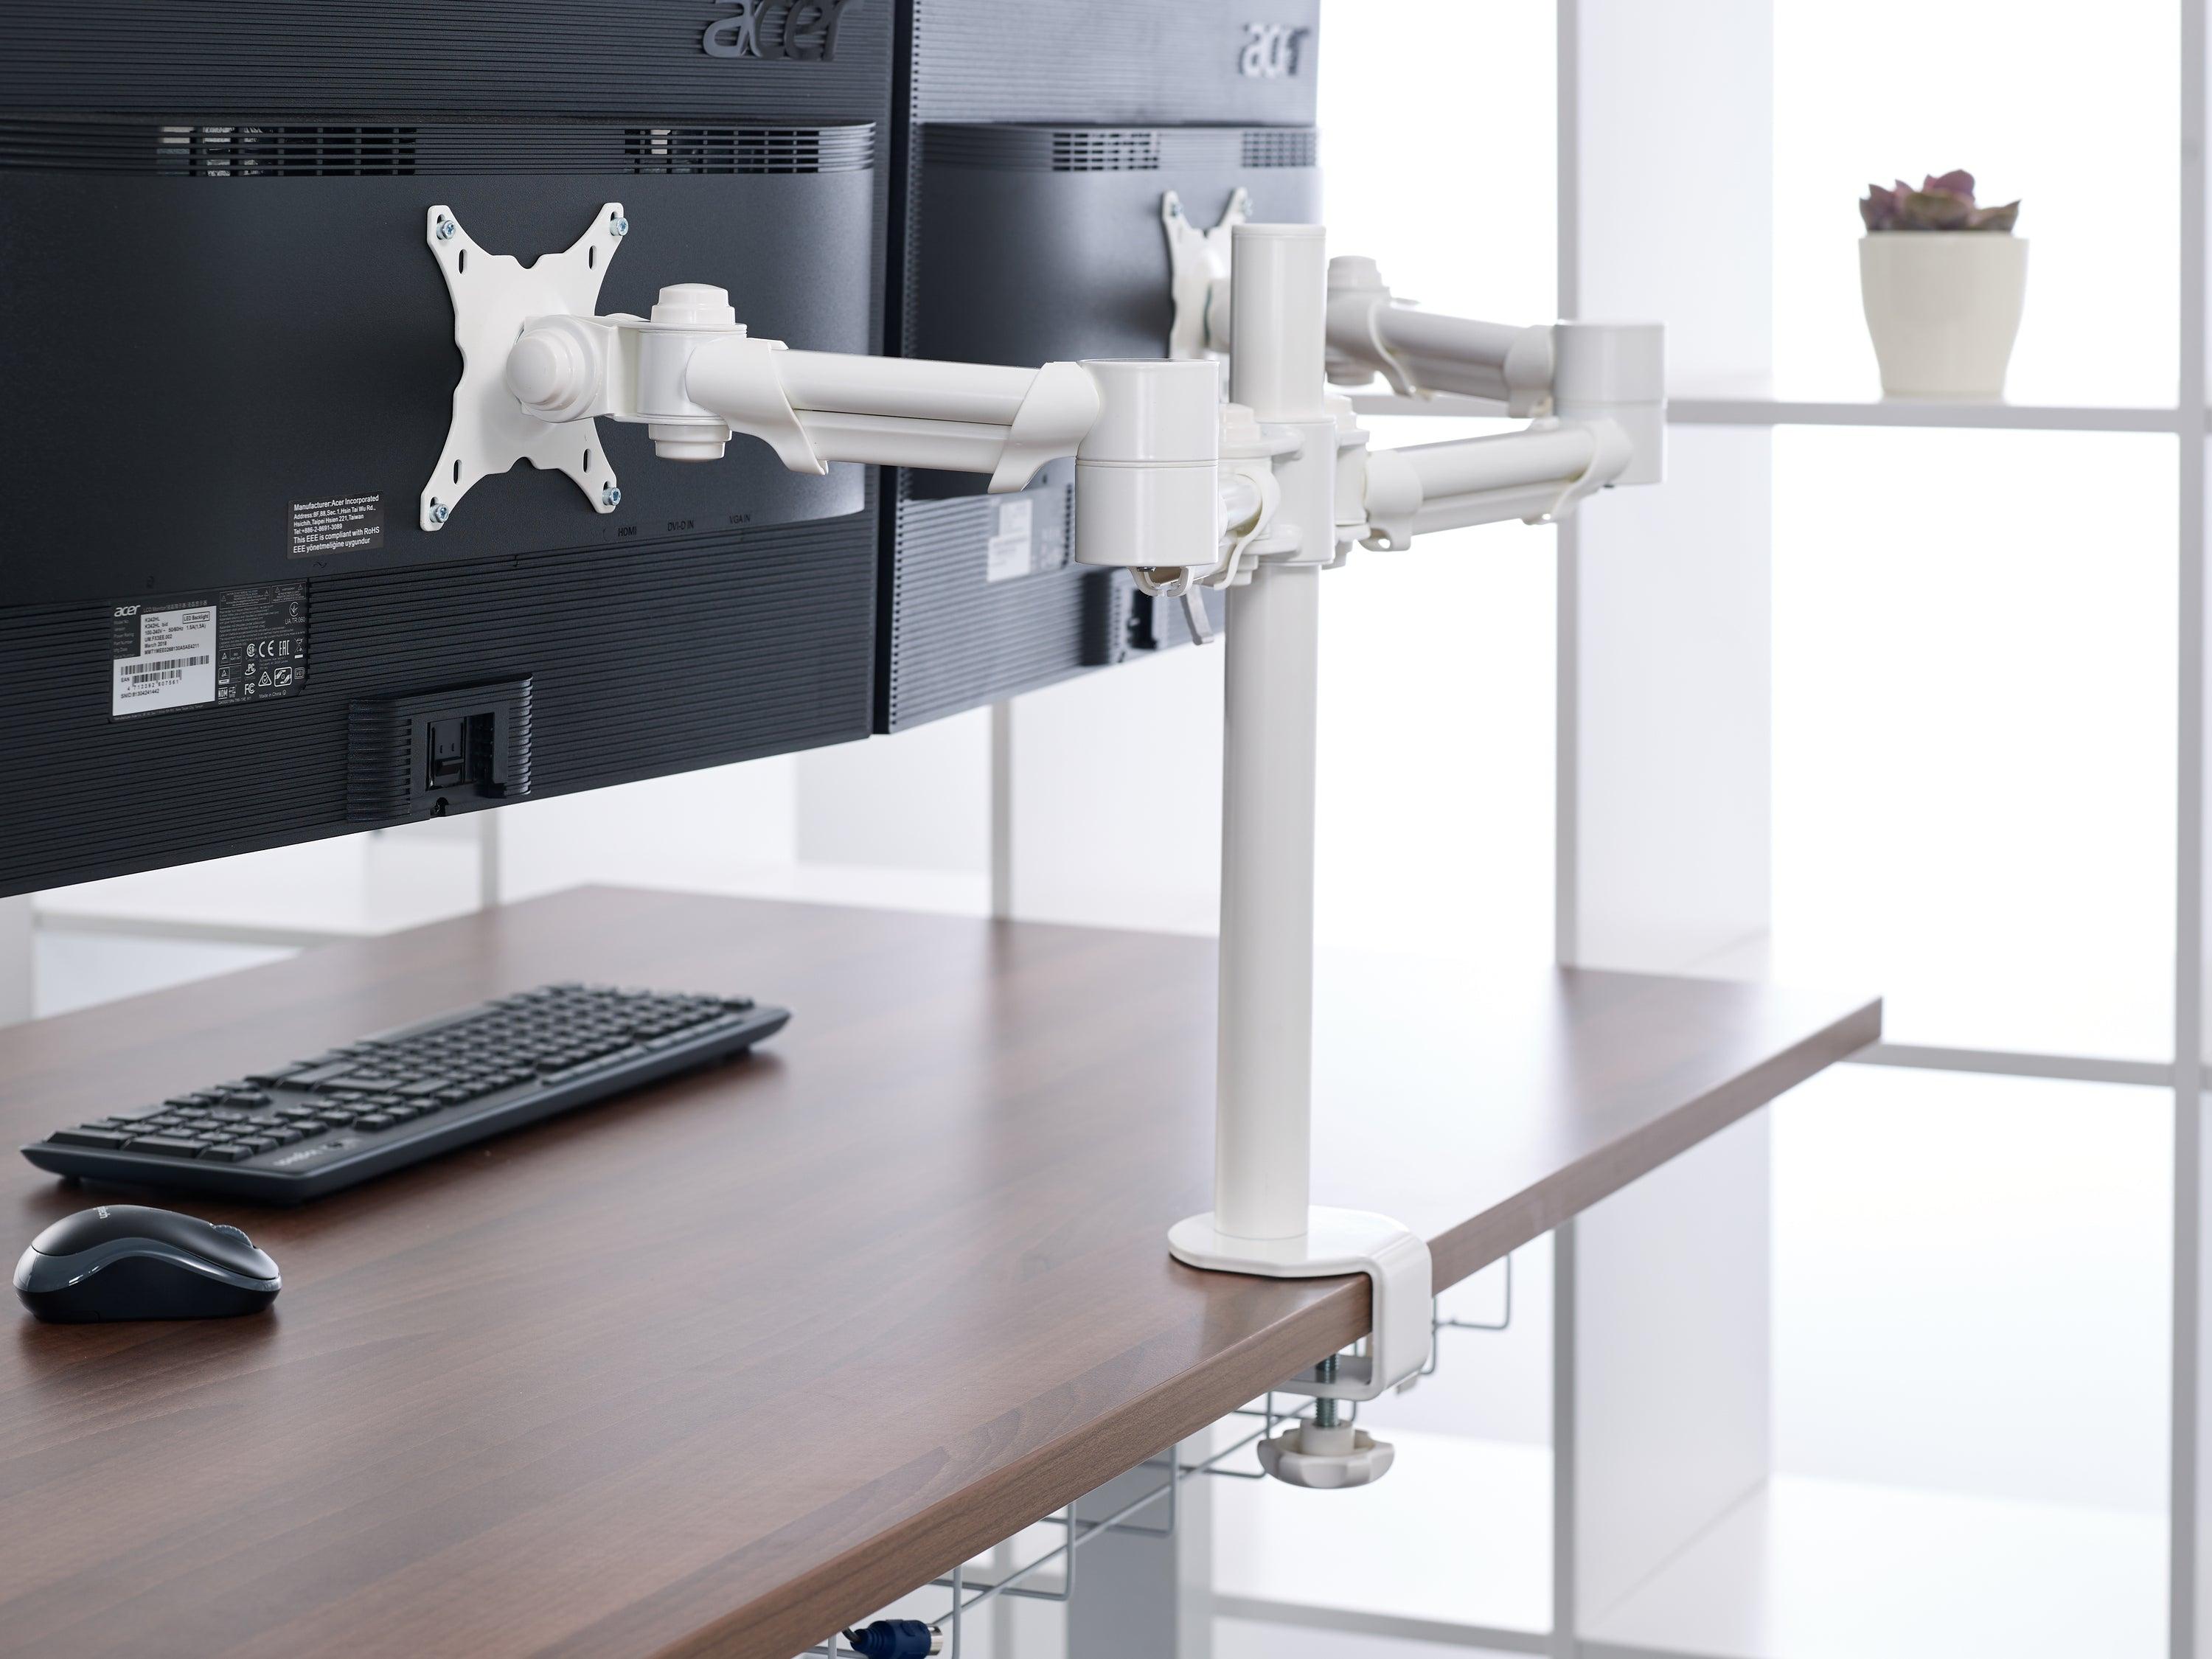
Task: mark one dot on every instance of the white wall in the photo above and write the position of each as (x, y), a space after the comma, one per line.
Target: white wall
(1117, 802)
(702, 830)
(921, 799)
(1971, 1280)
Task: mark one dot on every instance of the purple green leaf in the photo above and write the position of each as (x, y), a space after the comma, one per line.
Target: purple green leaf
(1944, 202)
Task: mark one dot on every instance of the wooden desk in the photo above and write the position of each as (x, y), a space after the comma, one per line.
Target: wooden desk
(719, 1367)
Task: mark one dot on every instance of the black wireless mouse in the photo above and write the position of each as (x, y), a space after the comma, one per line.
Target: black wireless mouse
(128, 1262)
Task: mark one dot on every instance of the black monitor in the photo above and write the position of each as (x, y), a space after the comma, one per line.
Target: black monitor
(1035, 141)
(230, 360)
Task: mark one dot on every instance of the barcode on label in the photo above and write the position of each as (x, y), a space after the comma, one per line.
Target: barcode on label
(173, 670)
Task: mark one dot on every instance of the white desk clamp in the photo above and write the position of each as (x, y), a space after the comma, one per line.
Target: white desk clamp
(1257, 497)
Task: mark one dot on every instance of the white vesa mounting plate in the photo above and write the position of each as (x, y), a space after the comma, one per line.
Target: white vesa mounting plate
(494, 295)
(1394, 1258)
(1198, 262)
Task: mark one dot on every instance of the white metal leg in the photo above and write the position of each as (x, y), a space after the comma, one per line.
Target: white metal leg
(1566, 1444)
(1002, 810)
(1147, 1586)
(489, 836)
(17, 965)
(2190, 1537)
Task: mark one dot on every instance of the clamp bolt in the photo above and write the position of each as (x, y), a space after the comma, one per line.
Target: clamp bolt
(1326, 1412)
(440, 512)
(447, 230)
(611, 496)
(618, 226)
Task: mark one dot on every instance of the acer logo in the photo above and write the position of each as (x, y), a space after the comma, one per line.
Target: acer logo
(1271, 50)
(801, 31)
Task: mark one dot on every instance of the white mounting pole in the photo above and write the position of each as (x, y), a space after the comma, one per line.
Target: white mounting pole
(1262, 1221)
(1263, 1112)
(1262, 1176)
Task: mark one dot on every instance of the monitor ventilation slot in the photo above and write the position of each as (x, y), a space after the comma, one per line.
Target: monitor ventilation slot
(1279, 147)
(247, 149)
(1034, 147)
(290, 152)
(1102, 150)
(1020, 146)
(750, 149)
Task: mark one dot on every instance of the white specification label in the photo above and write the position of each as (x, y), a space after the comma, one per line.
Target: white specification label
(1009, 553)
(175, 665)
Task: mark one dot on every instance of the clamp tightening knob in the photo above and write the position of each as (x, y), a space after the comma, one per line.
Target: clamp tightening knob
(1337, 1455)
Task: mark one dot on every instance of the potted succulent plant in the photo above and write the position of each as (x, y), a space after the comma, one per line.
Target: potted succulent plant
(1942, 282)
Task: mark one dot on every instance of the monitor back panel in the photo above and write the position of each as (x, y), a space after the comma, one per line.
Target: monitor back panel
(233, 361)
(1037, 140)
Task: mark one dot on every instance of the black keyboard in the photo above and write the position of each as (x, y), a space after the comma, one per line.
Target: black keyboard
(296, 1132)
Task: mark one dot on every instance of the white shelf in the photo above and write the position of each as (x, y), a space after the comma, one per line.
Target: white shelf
(1812, 1569)
(1756, 409)
(1458, 1536)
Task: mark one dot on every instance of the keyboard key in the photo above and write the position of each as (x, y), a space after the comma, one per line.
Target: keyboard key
(374, 1120)
(428, 1085)
(177, 1144)
(228, 1152)
(275, 1074)
(358, 1079)
(87, 1138)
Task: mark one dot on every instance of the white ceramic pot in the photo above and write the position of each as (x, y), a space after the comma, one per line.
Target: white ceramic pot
(1943, 306)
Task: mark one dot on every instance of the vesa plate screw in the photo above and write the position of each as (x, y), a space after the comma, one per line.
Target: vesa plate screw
(440, 512)
(447, 230)
(611, 496)
(618, 226)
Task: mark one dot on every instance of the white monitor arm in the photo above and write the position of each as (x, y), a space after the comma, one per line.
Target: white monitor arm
(1144, 434)
(1601, 383)
(1256, 496)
